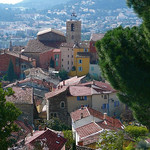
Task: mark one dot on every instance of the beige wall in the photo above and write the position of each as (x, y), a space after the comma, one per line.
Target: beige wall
(118, 109)
(98, 101)
(74, 104)
(66, 56)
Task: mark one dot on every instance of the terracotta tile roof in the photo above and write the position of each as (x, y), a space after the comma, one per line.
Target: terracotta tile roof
(102, 87)
(88, 130)
(56, 92)
(17, 55)
(80, 91)
(25, 129)
(38, 46)
(50, 30)
(56, 50)
(83, 44)
(109, 123)
(91, 139)
(76, 115)
(96, 36)
(52, 140)
(33, 80)
(148, 140)
(21, 95)
(72, 81)
(86, 111)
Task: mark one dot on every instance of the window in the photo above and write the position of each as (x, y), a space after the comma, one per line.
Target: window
(105, 96)
(103, 106)
(81, 98)
(72, 27)
(62, 65)
(62, 60)
(80, 69)
(62, 104)
(72, 56)
(68, 62)
(92, 68)
(116, 103)
(56, 63)
(68, 56)
(53, 115)
(68, 68)
(80, 61)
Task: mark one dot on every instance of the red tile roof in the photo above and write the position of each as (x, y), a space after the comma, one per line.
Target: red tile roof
(86, 111)
(56, 50)
(109, 123)
(21, 95)
(96, 36)
(50, 138)
(80, 91)
(72, 81)
(88, 130)
(56, 92)
(102, 87)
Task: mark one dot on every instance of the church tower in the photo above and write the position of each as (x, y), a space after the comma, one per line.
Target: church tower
(73, 30)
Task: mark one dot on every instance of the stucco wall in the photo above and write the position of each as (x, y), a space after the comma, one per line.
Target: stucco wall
(66, 58)
(74, 104)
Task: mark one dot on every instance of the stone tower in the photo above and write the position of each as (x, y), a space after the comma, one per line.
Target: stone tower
(73, 30)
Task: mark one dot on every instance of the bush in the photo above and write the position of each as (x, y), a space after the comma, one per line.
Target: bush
(135, 131)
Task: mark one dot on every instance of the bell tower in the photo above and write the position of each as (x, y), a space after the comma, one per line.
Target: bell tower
(73, 29)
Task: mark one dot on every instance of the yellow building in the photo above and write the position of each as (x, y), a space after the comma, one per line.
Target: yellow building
(81, 61)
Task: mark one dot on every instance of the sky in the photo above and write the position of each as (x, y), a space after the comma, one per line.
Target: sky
(10, 1)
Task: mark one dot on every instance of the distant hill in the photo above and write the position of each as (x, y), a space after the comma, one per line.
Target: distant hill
(40, 4)
(47, 4)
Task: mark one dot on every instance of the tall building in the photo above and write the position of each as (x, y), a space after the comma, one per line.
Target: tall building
(73, 30)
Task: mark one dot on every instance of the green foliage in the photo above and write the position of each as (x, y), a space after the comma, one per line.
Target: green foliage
(52, 63)
(136, 132)
(125, 61)
(111, 140)
(142, 8)
(130, 147)
(57, 125)
(63, 74)
(10, 73)
(69, 136)
(8, 113)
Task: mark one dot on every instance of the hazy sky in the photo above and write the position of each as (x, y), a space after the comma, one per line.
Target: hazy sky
(10, 1)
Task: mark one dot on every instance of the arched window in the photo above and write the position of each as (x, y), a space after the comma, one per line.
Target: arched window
(62, 104)
(72, 27)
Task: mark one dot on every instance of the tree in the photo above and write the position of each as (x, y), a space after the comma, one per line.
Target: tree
(10, 72)
(63, 74)
(69, 136)
(136, 131)
(8, 113)
(111, 140)
(57, 125)
(125, 61)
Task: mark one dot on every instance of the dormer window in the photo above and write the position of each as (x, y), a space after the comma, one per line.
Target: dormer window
(72, 27)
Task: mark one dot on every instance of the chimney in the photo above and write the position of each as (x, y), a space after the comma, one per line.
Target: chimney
(63, 82)
(81, 115)
(82, 106)
(105, 114)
